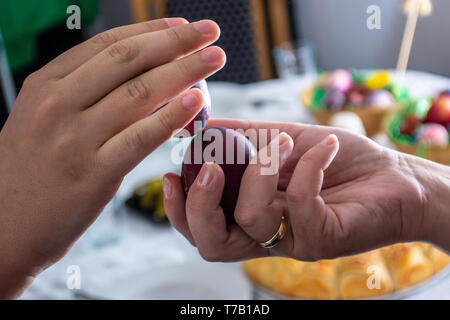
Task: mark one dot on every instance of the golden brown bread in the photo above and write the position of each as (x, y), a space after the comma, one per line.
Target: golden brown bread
(439, 259)
(316, 281)
(277, 274)
(363, 276)
(408, 264)
(398, 266)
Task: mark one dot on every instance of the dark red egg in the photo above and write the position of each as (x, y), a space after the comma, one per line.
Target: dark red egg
(231, 150)
(440, 111)
(410, 125)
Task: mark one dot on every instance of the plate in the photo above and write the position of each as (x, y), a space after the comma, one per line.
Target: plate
(262, 293)
(187, 281)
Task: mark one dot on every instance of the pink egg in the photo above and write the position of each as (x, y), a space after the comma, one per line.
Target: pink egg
(380, 98)
(339, 80)
(433, 134)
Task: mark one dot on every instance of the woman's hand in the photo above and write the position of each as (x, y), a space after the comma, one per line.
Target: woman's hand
(81, 123)
(341, 194)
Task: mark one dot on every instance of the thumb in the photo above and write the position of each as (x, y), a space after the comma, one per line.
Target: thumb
(307, 179)
(307, 210)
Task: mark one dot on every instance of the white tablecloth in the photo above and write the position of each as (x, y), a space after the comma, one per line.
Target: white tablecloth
(150, 261)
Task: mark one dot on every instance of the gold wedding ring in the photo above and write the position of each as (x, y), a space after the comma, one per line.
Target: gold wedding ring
(277, 237)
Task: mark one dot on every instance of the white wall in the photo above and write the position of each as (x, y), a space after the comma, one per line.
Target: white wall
(338, 27)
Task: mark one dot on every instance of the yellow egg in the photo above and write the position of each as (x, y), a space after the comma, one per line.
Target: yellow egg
(378, 80)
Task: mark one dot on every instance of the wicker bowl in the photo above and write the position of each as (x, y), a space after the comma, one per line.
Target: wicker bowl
(371, 116)
(437, 154)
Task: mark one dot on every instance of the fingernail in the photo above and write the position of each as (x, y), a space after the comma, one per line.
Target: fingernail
(284, 142)
(190, 101)
(205, 27)
(211, 55)
(330, 140)
(167, 188)
(173, 22)
(205, 175)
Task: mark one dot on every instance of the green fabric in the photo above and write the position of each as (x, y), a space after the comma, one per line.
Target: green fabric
(22, 21)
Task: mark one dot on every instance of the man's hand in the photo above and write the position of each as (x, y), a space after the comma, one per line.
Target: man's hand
(81, 123)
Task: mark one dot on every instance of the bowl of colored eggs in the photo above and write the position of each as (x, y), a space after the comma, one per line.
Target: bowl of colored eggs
(422, 128)
(370, 95)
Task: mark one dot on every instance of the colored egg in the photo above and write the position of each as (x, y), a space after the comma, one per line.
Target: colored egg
(418, 108)
(339, 80)
(201, 119)
(380, 98)
(356, 99)
(440, 111)
(445, 93)
(231, 150)
(433, 134)
(378, 80)
(357, 95)
(410, 125)
(348, 120)
(335, 100)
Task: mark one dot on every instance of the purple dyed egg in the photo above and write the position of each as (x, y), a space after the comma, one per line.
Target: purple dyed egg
(231, 151)
(445, 93)
(380, 99)
(339, 80)
(335, 100)
(201, 119)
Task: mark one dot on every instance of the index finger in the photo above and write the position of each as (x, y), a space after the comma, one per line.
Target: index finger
(257, 211)
(70, 60)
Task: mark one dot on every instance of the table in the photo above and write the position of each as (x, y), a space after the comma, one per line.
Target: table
(144, 254)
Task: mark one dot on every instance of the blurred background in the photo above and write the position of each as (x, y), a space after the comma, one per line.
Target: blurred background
(336, 28)
(275, 50)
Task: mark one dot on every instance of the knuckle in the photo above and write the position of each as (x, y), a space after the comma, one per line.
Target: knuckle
(246, 218)
(183, 68)
(308, 159)
(136, 140)
(47, 109)
(149, 25)
(32, 79)
(209, 255)
(123, 51)
(165, 120)
(106, 38)
(65, 142)
(174, 35)
(138, 90)
(54, 100)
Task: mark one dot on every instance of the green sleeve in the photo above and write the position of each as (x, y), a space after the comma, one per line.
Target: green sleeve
(22, 21)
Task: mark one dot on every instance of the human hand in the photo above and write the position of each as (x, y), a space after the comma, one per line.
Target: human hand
(341, 194)
(81, 123)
